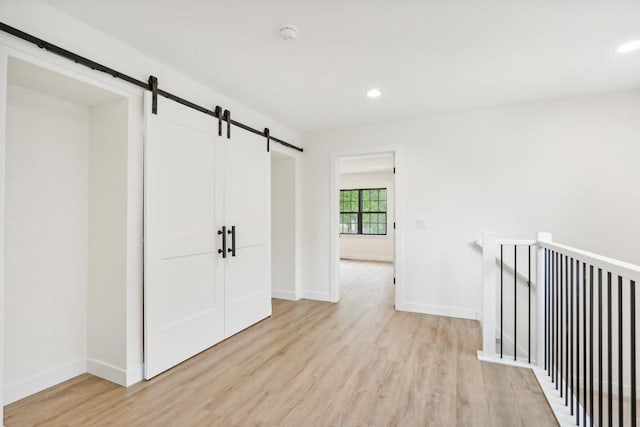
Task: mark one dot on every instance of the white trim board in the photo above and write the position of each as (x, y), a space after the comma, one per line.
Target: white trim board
(288, 295)
(439, 310)
(107, 371)
(43, 380)
(317, 296)
(561, 412)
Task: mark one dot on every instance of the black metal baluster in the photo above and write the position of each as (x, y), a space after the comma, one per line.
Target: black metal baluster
(565, 337)
(571, 337)
(552, 317)
(561, 320)
(600, 414)
(529, 305)
(584, 341)
(609, 353)
(591, 343)
(501, 307)
(620, 357)
(515, 302)
(578, 342)
(632, 348)
(555, 334)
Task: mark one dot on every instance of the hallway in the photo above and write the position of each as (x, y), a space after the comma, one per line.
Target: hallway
(316, 364)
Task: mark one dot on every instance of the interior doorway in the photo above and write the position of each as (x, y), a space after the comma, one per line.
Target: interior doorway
(365, 216)
(283, 225)
(65, 278)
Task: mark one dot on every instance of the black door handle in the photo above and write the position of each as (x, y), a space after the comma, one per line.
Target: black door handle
(233, 240)
(223, 232)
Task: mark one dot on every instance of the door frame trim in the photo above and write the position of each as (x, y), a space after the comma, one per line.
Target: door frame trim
(399, 209)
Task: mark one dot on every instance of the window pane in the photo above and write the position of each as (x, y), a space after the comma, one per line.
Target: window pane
(349, 223)
(383, 205)
(366, 195)
(383, 194)
(383, 228)
(374, 194)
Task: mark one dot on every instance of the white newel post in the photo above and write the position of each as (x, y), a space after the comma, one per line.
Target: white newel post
(541, 286)
(488, 294)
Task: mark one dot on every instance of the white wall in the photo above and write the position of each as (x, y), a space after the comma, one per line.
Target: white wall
(283, 227)
(46, 241)
(107, 303)
(566, 166)
(374, 248)
(40, 19)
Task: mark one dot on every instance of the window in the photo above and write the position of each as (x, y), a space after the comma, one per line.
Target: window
(363, 211)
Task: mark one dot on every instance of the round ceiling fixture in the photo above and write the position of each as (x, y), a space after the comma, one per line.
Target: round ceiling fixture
(288, 32)
(374, 93)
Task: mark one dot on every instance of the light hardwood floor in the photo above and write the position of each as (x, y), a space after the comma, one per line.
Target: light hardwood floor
(355, 363)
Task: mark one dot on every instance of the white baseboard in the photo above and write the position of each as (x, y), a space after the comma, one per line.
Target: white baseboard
(135, 375)
(508, 361)
(107, 371)
(439, 310)
(43, 380)
(288, 295)
(561, 412)
(368, 258)
(318, 296)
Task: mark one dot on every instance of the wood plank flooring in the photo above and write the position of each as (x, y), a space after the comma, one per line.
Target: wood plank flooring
(356, 363)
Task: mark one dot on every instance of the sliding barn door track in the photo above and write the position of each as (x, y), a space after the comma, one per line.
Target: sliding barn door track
(150, 85)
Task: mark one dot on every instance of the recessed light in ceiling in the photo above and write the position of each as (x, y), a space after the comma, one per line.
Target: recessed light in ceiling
(629, 46)
(374, 93)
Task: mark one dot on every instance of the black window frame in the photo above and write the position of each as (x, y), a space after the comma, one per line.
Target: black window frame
(360, 212)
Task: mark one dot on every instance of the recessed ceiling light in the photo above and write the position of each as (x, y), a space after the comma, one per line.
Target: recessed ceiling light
(374, 93)
(629, 46)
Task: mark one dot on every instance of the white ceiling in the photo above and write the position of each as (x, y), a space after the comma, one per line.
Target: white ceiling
(426, 56)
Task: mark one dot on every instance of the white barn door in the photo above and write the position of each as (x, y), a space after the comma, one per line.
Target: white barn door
(183, 272)
(247, 206)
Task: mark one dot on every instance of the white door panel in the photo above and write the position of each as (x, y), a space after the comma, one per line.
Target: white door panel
(183, 289)
(247, 207)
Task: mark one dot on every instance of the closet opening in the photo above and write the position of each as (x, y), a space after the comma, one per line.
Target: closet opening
(65, 231)
(283, 226)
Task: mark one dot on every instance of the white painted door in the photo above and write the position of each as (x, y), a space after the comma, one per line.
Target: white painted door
(247, 207)
(183, 272)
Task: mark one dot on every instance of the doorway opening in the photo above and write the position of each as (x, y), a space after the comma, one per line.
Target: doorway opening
(65, 276)
(365, 248)
(283, 226)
